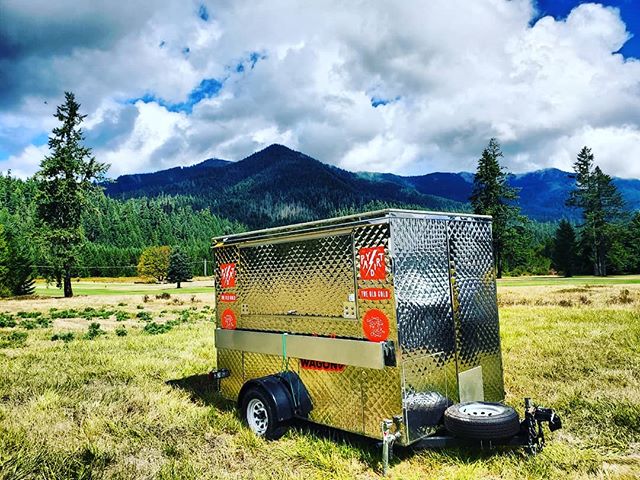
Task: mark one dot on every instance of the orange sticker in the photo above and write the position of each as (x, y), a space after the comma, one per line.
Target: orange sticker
(372, 265)
(228, 275)
(375, 325)
(228, 320)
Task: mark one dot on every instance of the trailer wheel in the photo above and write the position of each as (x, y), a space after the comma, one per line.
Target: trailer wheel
(258, 412)
(482, 421)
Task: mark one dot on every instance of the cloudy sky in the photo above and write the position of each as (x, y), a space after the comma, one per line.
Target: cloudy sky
(409, 87)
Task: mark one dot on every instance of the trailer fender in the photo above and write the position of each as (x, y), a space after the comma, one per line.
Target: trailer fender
(286, 391)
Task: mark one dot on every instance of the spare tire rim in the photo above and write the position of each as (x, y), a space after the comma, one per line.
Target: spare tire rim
(482, 410)
(257, 416)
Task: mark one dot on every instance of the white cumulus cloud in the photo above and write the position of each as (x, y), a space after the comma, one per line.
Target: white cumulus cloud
(444, 76)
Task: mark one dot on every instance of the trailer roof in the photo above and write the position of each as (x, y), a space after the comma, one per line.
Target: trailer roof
(377, 216)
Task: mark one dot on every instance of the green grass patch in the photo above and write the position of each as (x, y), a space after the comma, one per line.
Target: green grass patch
(140, 406)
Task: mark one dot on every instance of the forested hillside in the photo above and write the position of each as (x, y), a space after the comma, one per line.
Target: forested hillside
(117, 230)
(187, 206)
(275, 186)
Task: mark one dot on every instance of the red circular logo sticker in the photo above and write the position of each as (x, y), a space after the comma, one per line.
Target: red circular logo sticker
(228, 320)
(375, 325)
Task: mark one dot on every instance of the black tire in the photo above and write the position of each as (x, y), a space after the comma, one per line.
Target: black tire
(482, 421)
(257, 409)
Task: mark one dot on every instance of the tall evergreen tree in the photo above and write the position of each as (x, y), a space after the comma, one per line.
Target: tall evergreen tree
(601, 204)
(564, 249)
(65, 180)
(5, 291)
(179, 268)
(492, 195)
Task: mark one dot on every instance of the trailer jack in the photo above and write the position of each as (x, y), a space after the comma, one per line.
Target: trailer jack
(388, 439)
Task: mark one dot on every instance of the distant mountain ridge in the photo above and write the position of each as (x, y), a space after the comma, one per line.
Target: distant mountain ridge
(278, 185)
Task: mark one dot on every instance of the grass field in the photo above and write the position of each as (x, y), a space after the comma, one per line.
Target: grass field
(139, 405)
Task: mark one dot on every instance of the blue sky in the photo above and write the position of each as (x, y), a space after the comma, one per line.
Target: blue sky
(373, 86)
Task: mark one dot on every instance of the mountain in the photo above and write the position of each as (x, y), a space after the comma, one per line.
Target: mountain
(542, 192)
(278, 185)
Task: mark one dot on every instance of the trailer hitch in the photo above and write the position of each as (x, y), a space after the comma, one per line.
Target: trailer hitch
(531, 426)
(217, 375)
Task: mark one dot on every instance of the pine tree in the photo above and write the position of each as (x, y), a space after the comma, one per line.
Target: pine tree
(65, 180)
(601, 204)
(492, 196)
(5, 291)
(179, 268)
(564, 249)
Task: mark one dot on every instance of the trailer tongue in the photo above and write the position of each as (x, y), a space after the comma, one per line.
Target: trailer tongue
(387, 318)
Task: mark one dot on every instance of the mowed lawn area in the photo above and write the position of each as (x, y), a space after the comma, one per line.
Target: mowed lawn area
(138, 405)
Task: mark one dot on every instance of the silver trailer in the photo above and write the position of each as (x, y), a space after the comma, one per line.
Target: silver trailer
(374, 323)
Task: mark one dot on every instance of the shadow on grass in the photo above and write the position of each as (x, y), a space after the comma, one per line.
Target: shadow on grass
(202, 389)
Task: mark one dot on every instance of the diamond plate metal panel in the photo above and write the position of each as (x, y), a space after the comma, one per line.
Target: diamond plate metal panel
(259, 365)
(336, 398)
(304, 277)
(231, 360)
(475, 307)
(425, 321)
(381, 389)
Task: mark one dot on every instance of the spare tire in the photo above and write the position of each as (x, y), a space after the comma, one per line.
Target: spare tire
(482, 421)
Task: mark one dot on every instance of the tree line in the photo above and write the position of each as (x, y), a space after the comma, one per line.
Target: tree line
(60, 225)
(606, 241)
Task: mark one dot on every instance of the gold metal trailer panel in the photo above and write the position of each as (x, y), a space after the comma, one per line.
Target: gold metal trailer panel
(383, 315)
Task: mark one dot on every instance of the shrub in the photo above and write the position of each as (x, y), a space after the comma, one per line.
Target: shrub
(32, 323)
(14, 339)
(144, 316)
(65, 337)
(69, 313)
(121, 316)
(94, 331)
(29, 314)
(164, 296)
(6, 320)
(121, 332)
(154, 328)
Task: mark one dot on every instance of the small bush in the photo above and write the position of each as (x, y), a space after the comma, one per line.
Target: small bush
(154, 328)
(144, 316)
(32, 323)
(624, 297)
(164, 296)
(145, 299)
(121, 332)
(122, 304)
(121, 316)
(139, 307)
(65, 337)
(6, 320)
(14, 339)
(69, 313)
(94, 331)
(584, 300)
(565, 303)
(29, 314)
